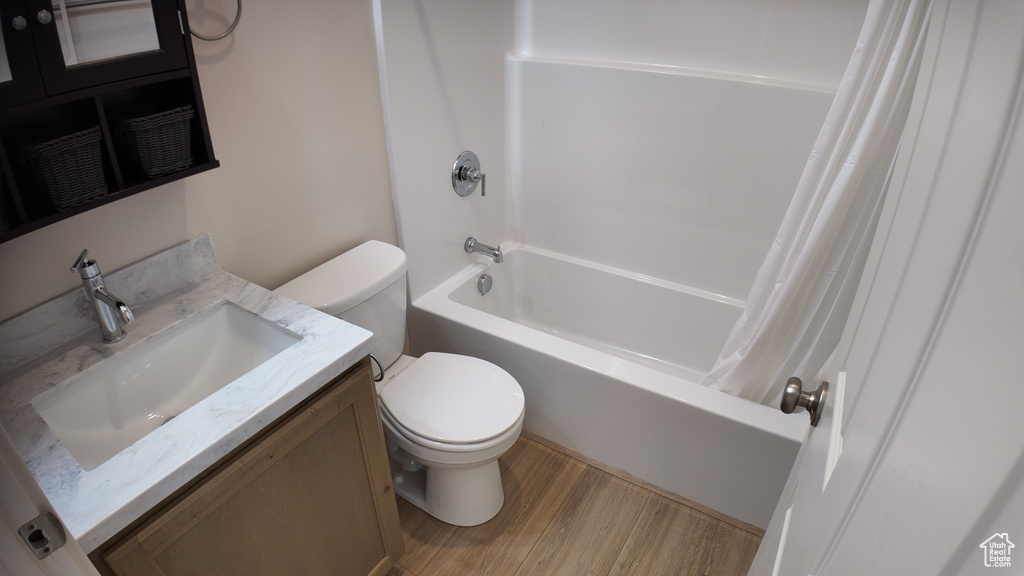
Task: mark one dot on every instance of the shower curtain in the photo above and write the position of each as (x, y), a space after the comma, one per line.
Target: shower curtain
(802, 294)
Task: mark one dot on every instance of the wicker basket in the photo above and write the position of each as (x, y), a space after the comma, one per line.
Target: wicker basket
(158, 139)
(67, 164)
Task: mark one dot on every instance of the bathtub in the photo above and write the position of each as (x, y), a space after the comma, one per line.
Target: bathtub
(610, 364)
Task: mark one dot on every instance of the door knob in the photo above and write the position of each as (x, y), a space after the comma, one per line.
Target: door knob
(44, 17)
(794, 396)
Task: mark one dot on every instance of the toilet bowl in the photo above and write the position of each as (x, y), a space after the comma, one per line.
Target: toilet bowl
(447, 418)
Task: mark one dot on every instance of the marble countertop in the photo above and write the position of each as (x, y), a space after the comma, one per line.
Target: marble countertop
(44, 347)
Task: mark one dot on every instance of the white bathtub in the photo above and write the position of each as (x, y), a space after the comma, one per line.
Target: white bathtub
(609, 362)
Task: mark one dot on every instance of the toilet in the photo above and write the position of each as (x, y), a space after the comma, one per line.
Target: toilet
(446, 417)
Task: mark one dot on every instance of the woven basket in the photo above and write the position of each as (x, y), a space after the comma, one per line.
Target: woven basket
(158, 140)
(67, 164)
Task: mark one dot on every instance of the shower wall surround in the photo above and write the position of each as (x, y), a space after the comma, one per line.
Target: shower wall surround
(659, 138)
(679, 177)
(442, 68)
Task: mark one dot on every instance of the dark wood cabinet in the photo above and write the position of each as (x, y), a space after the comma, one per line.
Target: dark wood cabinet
(26, 82)
(50, 94)
(58, 77)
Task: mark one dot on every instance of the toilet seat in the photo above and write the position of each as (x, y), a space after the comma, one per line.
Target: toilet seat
(431, 451)
(449, 399)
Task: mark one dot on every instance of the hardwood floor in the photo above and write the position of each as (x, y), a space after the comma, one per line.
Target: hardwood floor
(564, 517)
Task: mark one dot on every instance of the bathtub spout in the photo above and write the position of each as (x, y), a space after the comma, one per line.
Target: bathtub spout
(491, 252)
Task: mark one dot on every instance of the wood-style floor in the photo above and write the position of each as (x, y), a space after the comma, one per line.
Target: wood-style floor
(564, 517)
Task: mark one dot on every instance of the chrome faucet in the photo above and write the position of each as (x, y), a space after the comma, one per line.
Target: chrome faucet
(111, 312)
(491, 252)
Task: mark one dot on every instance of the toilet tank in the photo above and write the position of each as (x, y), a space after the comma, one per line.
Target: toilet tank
(364, 286)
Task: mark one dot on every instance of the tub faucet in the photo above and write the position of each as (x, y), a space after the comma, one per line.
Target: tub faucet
(111, 312)
(491, 252)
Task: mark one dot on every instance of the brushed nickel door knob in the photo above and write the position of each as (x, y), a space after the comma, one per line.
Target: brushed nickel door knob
(794, 396)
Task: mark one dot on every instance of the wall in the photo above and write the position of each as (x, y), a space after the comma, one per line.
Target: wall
(660, 137)
(667, 138)
(293, 100)
(444, 92)
(676, 176)
(806, 41)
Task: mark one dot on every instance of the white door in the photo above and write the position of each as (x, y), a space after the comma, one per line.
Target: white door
(21, 500)
(930, 429)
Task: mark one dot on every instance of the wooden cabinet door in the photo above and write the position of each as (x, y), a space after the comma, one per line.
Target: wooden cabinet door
(312, 497)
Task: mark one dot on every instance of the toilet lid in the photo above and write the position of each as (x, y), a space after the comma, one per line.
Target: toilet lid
(454, 399)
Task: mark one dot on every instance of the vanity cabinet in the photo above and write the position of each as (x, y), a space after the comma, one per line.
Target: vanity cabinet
(73, 65)
(313, 495)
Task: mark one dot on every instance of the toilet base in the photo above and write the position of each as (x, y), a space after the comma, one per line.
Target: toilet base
(463, 496)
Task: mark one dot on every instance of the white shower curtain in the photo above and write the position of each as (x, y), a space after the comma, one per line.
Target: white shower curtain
(802, 294)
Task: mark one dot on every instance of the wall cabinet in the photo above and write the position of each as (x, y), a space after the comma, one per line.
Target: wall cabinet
(72, 65)
(311, 496)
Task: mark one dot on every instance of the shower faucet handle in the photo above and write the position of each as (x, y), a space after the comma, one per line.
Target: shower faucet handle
(466, 174)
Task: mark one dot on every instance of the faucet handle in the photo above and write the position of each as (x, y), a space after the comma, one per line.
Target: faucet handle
(86, 268)
(466, 174)
(81, 262)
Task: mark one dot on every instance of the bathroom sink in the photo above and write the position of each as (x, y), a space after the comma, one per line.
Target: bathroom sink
(113, 404)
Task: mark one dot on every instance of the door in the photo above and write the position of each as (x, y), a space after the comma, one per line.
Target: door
(20, 80)
(56, 46)
(926, 442)
(82, 43)
(21, 500)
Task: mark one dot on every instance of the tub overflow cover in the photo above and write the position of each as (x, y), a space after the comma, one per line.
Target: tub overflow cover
(484, 283)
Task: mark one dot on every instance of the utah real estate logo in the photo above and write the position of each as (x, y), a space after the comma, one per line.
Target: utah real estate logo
(997, 550)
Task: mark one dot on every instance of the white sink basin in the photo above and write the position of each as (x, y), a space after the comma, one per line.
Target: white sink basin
(115, 403)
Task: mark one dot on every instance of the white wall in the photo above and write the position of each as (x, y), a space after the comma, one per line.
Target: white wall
(293, 100)
(667, 138)
(805, 41)
(623, 132)
(444, 93)
(675, 176)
